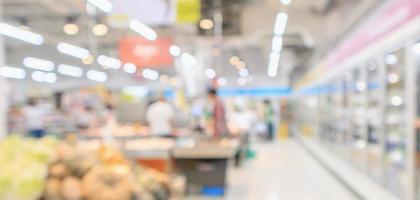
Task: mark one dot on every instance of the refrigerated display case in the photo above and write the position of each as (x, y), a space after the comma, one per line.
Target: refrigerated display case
(374, 119)
(358, 120)
(394, 123)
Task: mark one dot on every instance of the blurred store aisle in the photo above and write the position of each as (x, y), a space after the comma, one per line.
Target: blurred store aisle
(283, 171)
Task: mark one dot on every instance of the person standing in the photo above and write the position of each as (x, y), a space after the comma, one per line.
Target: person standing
(160, 116)
(219, 126)
(269, 119)
(34, 119)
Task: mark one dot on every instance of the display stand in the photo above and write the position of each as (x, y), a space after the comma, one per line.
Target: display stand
(204, 167)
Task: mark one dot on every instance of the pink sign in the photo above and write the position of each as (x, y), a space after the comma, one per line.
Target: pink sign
(392, 16)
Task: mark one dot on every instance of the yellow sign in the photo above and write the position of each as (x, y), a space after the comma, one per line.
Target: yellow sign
(188, 11)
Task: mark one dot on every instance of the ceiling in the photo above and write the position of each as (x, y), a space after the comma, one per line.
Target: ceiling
(314, 26)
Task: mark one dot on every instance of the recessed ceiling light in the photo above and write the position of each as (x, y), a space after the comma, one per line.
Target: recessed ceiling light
(206, 24)
(100, 30)
(71, 29)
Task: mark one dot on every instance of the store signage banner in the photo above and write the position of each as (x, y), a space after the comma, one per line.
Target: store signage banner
(145, 53)
(188, 11)
(391, 17)
(150, 12)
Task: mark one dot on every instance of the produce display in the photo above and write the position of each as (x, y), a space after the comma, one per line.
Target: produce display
(24, 167)
(47, 169)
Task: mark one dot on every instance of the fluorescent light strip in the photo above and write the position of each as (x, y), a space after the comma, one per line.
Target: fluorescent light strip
(109, 62)
(98, 76)
(130, 68)
(50, 78)
(38, 76)
(103, 5)
(73, 50)
(277, 45)
(188, 60)
(281, 23)
(274, 57)
(38, 64)
(143, 30)
(20, 34)
(69, 70)
(12, 72)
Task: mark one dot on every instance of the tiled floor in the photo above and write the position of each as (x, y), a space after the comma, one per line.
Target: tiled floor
(283, 171)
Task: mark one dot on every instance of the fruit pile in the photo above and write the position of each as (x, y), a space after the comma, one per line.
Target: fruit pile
(24, 167)
(47, 169)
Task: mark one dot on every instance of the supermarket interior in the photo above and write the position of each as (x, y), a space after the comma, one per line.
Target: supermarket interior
(209, 100)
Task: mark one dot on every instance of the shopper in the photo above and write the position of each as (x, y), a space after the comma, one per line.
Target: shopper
(268, 118)
(218, 115)
(160, 116)
(34, 119)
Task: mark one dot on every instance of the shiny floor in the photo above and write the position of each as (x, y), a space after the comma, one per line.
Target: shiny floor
(282, 171)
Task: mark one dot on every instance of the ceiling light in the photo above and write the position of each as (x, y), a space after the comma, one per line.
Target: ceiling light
(273, 64)
(38, 76)
(143, 30)
(244, 72)
(241, 65)
(164, 79)
(97, 76)
(50, 78)
(272, 72)
(188, 60)
(130, 68)
(206, 24)
(69, 70)
(39, 64)
(221, 81)
(12, 72)
(20, 34)
(88, 60)
(103, 5)
(277, 44)
(73, 50)
(71, 29)
(175, 50)
(100, 30)
(286, 2)
(109, 62)
(281, 23)
(274, 57)
(391, 59)
(210, 73)
(150, 74)
(234, 60)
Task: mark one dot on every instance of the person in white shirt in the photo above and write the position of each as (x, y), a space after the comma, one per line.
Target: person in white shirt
(34, 119)
(160, 117)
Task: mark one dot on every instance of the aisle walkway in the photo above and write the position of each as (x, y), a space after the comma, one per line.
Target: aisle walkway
(283, 171)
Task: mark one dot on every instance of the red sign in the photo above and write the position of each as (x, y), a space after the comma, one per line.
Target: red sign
(145, 53)
(388, 19)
